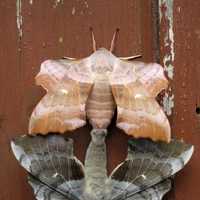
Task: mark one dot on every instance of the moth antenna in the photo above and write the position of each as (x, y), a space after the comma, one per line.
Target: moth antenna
(93, 40)
(112, 46)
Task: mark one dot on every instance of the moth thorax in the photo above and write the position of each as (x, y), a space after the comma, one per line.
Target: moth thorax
(103, 69)
(98, 77)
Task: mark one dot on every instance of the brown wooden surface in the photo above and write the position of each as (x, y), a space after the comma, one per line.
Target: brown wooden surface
(186, 122)
(53, 30)
(185, 86)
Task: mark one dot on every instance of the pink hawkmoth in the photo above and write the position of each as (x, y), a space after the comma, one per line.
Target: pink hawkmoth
(92, 88)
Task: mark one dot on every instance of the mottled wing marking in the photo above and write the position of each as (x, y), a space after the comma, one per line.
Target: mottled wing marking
(58, 111)
(50, 160)
(44, 192)
(52, 73)
(68, 84)
(148, 163)
(139, 114)
(151, 75)
(155, 192)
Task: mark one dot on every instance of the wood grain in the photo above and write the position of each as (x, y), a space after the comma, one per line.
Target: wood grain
(13, 182)
(186, 121)
(52, 29)
(185, 87)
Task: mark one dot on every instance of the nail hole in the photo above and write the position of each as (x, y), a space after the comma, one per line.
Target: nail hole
(198, 110)
(117, 29)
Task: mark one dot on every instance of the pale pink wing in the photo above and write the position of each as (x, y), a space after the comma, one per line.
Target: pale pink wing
(138, 112)
(62, 109)
(151, 75)
(52, 73)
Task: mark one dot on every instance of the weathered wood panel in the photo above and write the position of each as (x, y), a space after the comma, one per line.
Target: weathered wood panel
(180, 46)
(187, 91)
(12, 184)
(32, 31)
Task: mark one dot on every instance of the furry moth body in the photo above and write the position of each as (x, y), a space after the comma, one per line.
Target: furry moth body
(92, 88)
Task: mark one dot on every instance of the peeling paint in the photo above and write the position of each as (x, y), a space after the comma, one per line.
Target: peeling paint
(168, 67)
(179, 9)
(169, 35)
(197, 32)
(166, 15)
(57, 2)
(86, 4)
(19, 17)
(168, 103)
(73, 11)
(60, 39)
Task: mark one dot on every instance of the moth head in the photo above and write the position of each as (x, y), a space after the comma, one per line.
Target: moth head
(98, 136)
(102, 61)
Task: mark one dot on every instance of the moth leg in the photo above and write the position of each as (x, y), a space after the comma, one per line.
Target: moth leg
(130, 57)
(69, 58)
(112, 46)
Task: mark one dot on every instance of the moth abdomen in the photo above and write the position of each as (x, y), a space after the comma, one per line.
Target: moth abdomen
(100, 104)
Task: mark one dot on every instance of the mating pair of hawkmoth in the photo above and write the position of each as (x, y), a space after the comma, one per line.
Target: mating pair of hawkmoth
(93, 88)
